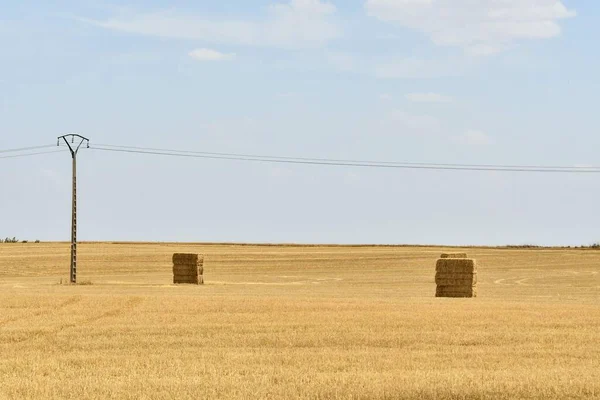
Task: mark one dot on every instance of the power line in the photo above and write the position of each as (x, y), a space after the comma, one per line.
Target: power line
(150, 150)
(313, 161)
(27, 148)
(346, 163)
(32, 154)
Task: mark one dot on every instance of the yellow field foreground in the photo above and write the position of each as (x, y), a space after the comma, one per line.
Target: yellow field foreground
(296, 322)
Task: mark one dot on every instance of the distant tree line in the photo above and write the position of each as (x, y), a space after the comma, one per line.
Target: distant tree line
(14, 240)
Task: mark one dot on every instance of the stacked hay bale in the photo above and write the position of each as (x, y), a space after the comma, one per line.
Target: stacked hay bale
(456, 276)
(188, 268)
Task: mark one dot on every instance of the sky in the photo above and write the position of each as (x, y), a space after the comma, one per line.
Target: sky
(437, 81)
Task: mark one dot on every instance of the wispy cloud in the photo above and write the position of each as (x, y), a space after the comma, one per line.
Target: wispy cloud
(297, 24)
(428, 98)
(210, 55)
(482, 27)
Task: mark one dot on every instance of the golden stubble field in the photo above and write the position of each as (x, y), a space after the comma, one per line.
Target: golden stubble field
(296, 322)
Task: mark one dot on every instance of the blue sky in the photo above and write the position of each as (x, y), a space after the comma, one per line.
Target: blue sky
(444, 81)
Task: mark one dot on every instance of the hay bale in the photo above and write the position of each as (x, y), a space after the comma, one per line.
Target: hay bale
(185, 276)
(456, 281)
(191, 280)
(456, 276)
(456, 265)
(188, 259)
(453, 255)
(456, 291)
(188, 269)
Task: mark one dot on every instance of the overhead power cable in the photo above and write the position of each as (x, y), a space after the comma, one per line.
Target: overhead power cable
(152, 150)
(342, 163)
(27, 148)
(32, 154)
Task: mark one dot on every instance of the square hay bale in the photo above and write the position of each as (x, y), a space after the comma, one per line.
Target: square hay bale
(466, 277)
(456, 291)
(187, 280)
(446, 275)
(188, 269)
(456, 277)
(472, 281)
(188, 259)
(453, 255)
(456, 265)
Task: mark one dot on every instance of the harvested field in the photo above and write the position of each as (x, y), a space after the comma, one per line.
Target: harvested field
(297, 322)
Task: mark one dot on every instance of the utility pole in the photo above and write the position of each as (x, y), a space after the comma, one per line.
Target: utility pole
(74, 145)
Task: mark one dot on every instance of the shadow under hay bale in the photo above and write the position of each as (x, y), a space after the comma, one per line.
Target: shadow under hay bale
(188, 269)
(456, 276)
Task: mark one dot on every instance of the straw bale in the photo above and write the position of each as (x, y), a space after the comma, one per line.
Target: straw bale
(456, 266)
(185, 269)
(456, 275)
(184, 275)
(459, 277)
(191, 280)
(457, 295)
(453, 255)
(456, 291)
(188, 259)
(455, 282)
(191, 265)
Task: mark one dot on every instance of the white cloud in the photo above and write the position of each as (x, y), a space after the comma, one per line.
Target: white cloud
(475, 138)
(385, 97)
(210, 55)
(428, 98)
(481, 27)
(297, 24)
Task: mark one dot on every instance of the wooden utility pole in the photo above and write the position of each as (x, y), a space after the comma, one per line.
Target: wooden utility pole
(74, 145)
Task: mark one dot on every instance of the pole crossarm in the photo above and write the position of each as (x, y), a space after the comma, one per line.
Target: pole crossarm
(74, 142)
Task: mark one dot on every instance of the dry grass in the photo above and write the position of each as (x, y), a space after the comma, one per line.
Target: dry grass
(296, 322)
